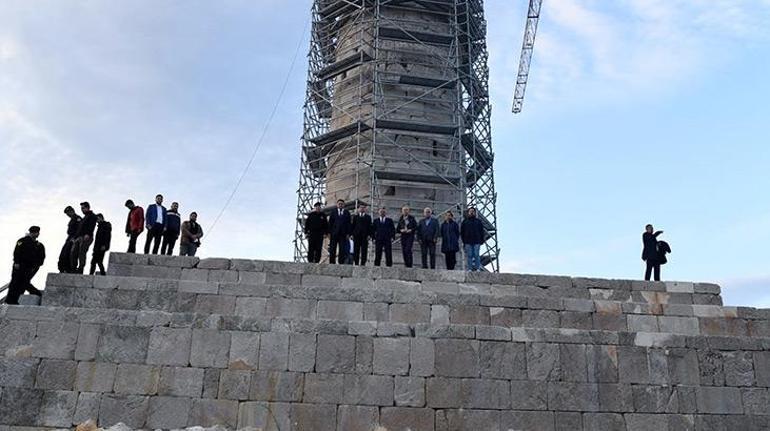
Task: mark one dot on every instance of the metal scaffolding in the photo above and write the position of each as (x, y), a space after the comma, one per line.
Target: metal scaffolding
(397, 111)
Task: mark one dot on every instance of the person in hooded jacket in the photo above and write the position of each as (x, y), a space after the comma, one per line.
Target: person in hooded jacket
(650, 252)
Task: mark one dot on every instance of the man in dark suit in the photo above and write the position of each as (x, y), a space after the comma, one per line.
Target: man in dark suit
(316, 226)
(384, 233)
(339, 231)
(427, 234)
(362, 230)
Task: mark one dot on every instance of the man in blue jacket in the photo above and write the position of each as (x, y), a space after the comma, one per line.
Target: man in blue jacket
(173, 227)
(155, 221)
(339, 231)
(384, 232)
(427, 234)
(472, 234)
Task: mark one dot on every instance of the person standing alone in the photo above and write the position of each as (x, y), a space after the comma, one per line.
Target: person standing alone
(472, 233)
(173, 228)
(192, 233)
(28, 257)
(101, 244)
(83, 240)
(450, 240)
(339, 231)
(650, 252)
(65, 259)
(155, 221)
(427, 234)
(362, 230)
(134, 224)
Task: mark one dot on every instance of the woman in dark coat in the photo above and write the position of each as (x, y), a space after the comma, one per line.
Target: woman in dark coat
(450, 240)
(650, 252)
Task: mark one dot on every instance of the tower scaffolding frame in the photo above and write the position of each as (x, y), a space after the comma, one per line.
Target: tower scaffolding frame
(397, 111)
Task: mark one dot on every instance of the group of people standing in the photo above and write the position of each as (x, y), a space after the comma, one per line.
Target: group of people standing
(80, 237)
(164, 227)
(342, 229)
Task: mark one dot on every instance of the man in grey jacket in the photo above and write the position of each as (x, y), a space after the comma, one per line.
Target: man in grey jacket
(427, 233)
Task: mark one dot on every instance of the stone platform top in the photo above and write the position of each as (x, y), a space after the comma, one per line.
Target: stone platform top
(170, 342)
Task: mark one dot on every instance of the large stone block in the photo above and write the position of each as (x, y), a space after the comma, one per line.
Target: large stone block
(582, 397)
(181, 382)
(234, 384)
(95, 377)
(168, 412)
(57, 409)
(274, 351)
(169, 346)
(264, 416)
(313, 417)
(633, 366)
(302, 352)
(543, 361)
(683, 366)
(503, 360)
(133, 379)
(602, 363)
(20, 406)
(209, 348)
(655, 399)
(615, 397)
(123, 344)
(276, 386)
(391, 356)
(604, 422)
(128, 409)
(336, 354)
(524, 420)
(715, 400)
(486, 394)
(461, 420)
(53, 375)
(529, 395)
(208, 413)
(55, 340)
(368, 390)
(214, 304)
(341, 310)
(291, 308)
(762, 368)
(244, 350)
(457, 358)
(407, 419)
(18, 372)
(361, 418)
(739, 368)
(409, 391)
(87, 407)
(15, 334)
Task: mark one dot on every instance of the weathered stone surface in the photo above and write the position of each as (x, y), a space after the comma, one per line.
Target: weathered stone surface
(336, 354)
(604, 422)
(357, 418)
(123, 344)
(368, 390)
(20, 406)
(391, 356)
(403, 419)
(209, 348)
(457, 358)
(169, 346)
(543, 361)
(525, 420)
(244, 351)
(181, 382)
(206, 413)
(583, 397)
(502, 360)
(20, 373)
(313, 417)
(57, 408)
(529, 395)
(55, 340)
(302, 352)
(234, 384)
(128, 409)
(95, 377)
(276, 386)
(137, 379)
(323, 388)
(716, 400)
(274, 351)
(87, 407)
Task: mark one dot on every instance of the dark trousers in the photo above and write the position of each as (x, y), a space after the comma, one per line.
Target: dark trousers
(132, 241)
(169, 241)
(339, 242)
(97, 259)
(360, 250)
(79, 253)
(650, 267)
(428, 249)
(407, 242)
(154, 234)
(315, 244)
(450, 258)
(64, 257)
(21, 281)
(387, 247)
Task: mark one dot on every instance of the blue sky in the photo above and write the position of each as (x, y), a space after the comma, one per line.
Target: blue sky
(637, 111)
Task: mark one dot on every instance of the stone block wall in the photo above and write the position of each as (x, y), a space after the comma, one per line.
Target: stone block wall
(169, 342)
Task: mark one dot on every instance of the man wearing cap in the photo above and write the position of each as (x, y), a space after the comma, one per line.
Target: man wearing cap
(72, 230)
(101, 244)
(83, 239)
(28, 257)
(316, 226)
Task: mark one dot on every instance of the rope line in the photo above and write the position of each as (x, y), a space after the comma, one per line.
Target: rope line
(264, 132)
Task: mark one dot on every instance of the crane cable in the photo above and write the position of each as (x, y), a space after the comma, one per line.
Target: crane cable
(264, 131)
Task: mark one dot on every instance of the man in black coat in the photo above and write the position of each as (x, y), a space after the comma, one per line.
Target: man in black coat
(101, 244)
(316, 227)
(383, 232)
(362, 230)
(339, 232)
(28, 257)
(650, 252)
(472, 233)
(84, 238)
(427, 233)
(72, 230)
(407, 226)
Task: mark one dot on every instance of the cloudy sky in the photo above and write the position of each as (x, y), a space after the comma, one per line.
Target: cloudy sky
(637, 111)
